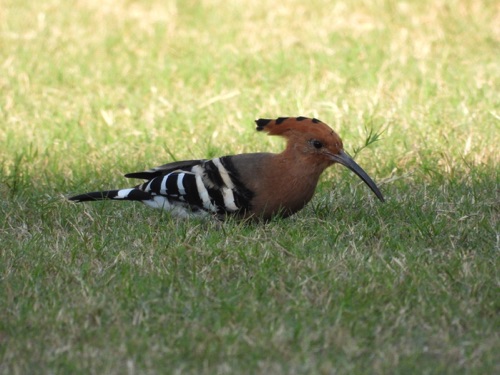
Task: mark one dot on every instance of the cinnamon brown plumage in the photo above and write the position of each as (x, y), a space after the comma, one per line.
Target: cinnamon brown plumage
(260, 185)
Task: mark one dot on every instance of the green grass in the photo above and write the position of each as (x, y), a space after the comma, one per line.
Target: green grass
(94, 89)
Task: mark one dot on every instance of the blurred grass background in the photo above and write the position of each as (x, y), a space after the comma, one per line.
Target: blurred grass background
(94, 89)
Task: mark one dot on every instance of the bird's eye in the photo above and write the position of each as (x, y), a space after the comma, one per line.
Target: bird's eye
(317, 144)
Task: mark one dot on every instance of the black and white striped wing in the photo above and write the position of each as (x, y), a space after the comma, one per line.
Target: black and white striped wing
(186, 187)
(211, 185)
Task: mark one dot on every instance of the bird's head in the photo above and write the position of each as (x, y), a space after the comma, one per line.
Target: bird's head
(316, 141)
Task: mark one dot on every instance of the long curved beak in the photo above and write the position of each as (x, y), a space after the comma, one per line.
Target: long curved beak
(347, 161)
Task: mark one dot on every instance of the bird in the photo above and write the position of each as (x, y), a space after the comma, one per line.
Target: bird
(259, 185)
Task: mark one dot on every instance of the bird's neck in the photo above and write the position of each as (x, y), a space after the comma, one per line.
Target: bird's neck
(294, 180)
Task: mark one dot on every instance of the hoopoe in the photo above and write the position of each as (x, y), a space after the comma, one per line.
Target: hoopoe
(257, 185)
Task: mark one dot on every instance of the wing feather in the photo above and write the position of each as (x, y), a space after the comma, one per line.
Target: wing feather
(165, 169)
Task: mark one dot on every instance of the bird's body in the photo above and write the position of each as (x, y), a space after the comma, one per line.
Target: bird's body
(257, 185)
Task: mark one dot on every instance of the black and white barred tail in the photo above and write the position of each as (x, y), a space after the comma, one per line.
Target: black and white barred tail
(123, 194)
(185, 188)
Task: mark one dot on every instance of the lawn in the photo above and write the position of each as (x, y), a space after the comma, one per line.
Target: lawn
(92, 89)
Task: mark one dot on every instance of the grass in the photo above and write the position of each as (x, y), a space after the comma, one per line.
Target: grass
(94, 89)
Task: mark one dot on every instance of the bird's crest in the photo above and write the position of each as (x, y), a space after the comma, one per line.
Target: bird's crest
(284, 124)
